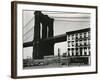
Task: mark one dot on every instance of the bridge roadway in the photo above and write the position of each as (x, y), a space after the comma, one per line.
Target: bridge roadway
(55, 39)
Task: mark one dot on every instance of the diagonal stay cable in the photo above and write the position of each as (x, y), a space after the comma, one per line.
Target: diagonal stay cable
(28, 22)
(28, 37)
(29, 31)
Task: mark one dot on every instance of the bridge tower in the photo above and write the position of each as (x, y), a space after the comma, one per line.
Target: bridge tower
(42, 47)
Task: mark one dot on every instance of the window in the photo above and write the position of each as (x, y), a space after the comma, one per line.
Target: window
(68, 43)
(80, 35)
(85, 51)
(72, 51)
(85, 35)
(68, 37)
(72, 43)
(72, 36)
(77, 36)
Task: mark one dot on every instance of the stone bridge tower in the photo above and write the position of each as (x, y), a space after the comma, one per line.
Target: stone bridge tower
(43, 26)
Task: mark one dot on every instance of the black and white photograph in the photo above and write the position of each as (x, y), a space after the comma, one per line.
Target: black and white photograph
(53, 39)
(56, 39)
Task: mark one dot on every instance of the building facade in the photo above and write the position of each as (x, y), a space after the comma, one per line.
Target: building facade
(78, 46)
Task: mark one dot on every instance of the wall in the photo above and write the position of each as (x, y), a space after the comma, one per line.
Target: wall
(5, 41)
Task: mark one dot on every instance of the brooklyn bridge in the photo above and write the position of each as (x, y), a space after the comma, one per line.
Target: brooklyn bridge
(44, 45)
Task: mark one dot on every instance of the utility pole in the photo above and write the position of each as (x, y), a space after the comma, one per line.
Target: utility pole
(59, 59)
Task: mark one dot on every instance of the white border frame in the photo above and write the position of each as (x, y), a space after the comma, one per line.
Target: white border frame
(49, 71)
